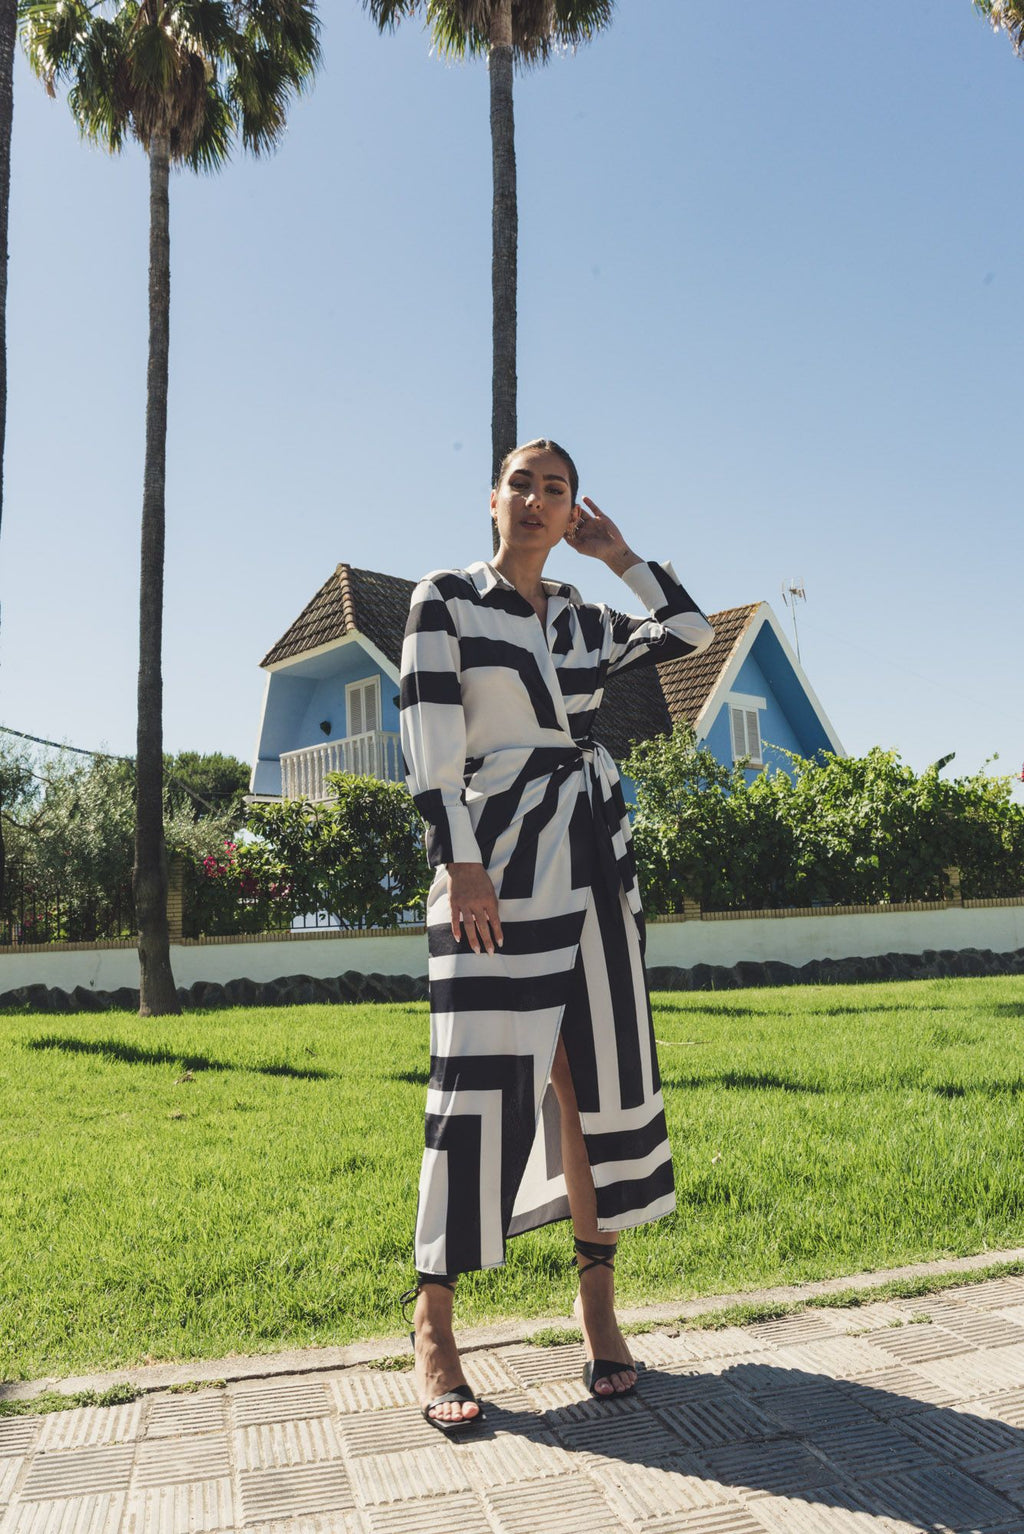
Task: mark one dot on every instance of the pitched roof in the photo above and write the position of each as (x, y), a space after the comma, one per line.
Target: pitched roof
(637, 704)
(350, 601)
(688, 683)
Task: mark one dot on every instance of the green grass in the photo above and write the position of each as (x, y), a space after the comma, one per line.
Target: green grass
(245, 1180)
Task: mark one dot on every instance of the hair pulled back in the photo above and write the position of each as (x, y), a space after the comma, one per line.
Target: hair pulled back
(544, 445)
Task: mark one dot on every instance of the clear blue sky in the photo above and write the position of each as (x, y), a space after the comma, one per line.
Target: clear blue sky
(769, 298)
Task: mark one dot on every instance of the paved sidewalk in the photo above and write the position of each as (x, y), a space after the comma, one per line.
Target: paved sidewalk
(902, 1415)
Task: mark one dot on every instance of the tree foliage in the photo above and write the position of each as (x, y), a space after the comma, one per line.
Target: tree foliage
(840, 830)
(357, 856)
(1006, 16)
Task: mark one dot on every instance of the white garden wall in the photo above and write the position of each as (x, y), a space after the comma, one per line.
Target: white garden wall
(791, 939)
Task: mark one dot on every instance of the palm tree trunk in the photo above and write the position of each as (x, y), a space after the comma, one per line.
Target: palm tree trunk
(157, 994)
(505, 238)
(8, 30)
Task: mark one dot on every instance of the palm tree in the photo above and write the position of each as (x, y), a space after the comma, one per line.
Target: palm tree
(8, 31)
(184, 80)
(508, 32)
(1006, 16)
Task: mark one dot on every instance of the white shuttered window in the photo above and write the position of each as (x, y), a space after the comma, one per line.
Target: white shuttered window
(362, 707)
(746, 734)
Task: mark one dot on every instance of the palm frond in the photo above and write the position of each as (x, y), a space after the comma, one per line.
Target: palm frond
(1006, 16)
(212, 144)
(386, 14)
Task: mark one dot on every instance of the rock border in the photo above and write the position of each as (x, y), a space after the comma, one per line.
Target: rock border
(302, 990)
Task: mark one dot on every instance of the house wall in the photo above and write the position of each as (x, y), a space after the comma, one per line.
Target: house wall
(788, 722)
(299, 696)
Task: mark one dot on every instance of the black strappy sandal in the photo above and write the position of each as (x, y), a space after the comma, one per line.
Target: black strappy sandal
(449, 1426)
(602, 1256)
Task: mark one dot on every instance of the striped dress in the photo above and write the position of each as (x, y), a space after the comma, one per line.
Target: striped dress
(496, 716)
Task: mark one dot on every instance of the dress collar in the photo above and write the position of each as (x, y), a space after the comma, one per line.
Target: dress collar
(486, 578)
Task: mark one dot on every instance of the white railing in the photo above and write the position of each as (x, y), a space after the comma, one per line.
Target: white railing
(377, 754)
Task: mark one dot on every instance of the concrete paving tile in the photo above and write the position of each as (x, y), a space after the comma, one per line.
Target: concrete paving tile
(97, 1513)
(867, 1451)
(18, 1434)
(463, 1513)
(487, 1374)
(919, 1344)
(285, 1493)
(702, 1424)
(161, 1462)
(776, 1464)
(272, 1401)
(892, 1392)
(679, 1386)
(91, 1427)
(638, 1437)
(373, 1390)
(639, 1493)
(552, 1507)
(837, 1357)
(78, 1473)
(10, 1469)
(807, 1408)
(178, 1416)
(301, 1441)
(723, 1342)
(979, 1373)
(939, 1498)
(869, 1318)
(553, 1395)
(804, 1326)
(512, 1457)
(984, 1329)
(512, 1411)
(589, 1409)
(833, 1510)
(657, 1350)
(535, 1366)
(1008, 1406)
(350, 1521)
(385, 1432)
(953, 1436)
(763, 1375)
(729, 1519)
(997, 1292)
(414, 1473)
(1003, 1470)
(201, 1507)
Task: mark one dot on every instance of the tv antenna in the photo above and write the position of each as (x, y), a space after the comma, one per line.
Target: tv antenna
(792, 593)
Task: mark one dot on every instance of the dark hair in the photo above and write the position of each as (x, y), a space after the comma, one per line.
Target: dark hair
(546, 445)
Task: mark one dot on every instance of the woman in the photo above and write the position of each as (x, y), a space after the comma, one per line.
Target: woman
(544, 1099)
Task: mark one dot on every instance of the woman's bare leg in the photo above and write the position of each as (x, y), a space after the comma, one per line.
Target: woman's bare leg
(596, 1301)
(437, 1358)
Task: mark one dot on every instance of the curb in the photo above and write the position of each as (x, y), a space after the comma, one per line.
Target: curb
(238, 1366)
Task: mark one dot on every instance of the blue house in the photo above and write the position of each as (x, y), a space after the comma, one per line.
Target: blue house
(331, 700)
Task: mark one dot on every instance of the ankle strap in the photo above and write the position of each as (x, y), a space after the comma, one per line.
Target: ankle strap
(601, 1254)
(422, 1280)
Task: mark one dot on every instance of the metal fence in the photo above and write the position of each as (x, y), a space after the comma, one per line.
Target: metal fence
(34, 913)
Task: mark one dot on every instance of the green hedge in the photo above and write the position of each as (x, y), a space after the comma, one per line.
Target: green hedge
(840, 830)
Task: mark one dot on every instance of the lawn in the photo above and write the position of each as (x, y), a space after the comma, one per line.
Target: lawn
(245, 1180)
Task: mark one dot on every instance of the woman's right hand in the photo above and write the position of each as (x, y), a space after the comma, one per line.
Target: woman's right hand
(474, 906)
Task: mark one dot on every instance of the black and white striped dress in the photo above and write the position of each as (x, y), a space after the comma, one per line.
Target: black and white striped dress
(497, 712)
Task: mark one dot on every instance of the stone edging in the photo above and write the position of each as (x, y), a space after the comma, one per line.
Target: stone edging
(301, 990)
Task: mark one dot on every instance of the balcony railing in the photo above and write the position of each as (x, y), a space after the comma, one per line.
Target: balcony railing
(377, 754)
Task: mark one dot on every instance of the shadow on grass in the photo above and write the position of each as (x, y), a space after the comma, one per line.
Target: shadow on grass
(413, 1078)
(130, 1054)
(1008, 1009)
(743, 1081)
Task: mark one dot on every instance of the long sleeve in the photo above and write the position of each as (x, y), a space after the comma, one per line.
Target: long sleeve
(433, 728)
(676, 626)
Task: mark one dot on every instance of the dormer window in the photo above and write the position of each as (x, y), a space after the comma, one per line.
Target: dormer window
(745, 728)
(362, 707)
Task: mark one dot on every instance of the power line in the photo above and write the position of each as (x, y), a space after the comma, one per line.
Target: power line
(5, 729)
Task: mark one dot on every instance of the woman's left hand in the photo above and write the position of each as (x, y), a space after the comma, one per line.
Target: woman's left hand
(597, 535)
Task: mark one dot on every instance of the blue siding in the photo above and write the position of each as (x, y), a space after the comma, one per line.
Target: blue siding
(297, 702)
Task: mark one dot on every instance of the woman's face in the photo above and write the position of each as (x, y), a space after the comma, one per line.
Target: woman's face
(532, 505)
